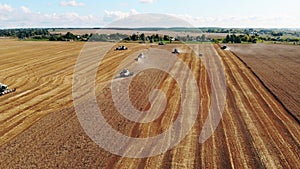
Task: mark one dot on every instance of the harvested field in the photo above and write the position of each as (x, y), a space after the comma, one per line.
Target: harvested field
(278, 66)
(42, 74)
(40, 129)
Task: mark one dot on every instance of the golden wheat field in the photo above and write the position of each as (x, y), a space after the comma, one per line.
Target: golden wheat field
(39, 127)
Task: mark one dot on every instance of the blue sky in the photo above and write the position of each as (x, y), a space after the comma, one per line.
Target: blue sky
(89, 13)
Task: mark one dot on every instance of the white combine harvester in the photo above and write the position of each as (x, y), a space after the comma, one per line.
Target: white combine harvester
(4, 89)
(126, 73)
(141, 56)
(121, 48)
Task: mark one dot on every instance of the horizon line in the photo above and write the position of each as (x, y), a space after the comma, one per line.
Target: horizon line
(133, 28)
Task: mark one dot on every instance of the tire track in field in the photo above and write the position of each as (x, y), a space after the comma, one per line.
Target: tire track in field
(172, 158)
(215, 70)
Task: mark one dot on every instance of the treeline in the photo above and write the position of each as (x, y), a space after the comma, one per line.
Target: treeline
(271, 32)
(25, 33)
(107, 37)
(88, 37)
(188, 38)
(44, 34)
(150, 38)
(166, 38)
(240, 38)
(68, 37)
(246, 38)
(93, 37)
(233, 35)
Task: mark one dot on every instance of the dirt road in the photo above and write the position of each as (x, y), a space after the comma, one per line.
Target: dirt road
(255, 131)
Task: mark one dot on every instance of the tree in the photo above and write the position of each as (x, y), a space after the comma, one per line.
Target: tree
(70, 35)
(227, 39)
(53, 38)
(134, 37)
(143, 37)
(215, 40)
(244, 38)
(232, 39)
(166, 38)
(152, 39)
(161, 38)
(156, 38)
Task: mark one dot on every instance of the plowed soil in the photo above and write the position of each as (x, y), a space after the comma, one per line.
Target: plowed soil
(39, 127)
(278, 66)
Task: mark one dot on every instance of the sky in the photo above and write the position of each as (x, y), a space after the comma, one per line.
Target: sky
(199, 13)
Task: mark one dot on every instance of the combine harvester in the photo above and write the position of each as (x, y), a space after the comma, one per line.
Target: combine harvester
(224, 47)
(176, 51)
(121, 48)
(4, 89)
(126, 73)
(140, 57)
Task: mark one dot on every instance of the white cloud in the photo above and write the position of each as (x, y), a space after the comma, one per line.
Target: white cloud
(10, 17)
(70, 19)
(147, 1)
(149, 20)
(71, 3)
(2, 18)
(25, 9)
(114, 15)
(242, 21)
(6, 8)
(19, 18)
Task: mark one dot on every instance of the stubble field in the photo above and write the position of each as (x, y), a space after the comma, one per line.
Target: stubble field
(39, 127)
